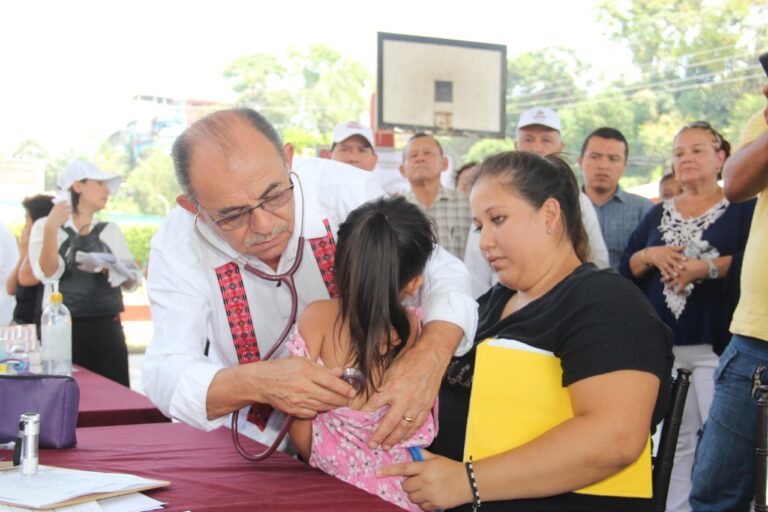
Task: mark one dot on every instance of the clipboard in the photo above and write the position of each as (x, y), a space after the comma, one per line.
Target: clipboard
(151, 484)
(517, 395)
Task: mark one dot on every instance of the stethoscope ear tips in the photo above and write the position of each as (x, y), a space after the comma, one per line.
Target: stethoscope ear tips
(354, 378)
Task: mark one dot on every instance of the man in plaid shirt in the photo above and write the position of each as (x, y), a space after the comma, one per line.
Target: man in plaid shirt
(423, 161)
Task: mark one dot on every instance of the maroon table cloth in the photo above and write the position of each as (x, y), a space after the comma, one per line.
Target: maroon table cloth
(104, 402)
(207, 474)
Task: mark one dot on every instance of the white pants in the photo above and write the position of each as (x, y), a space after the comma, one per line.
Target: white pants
(702, 362)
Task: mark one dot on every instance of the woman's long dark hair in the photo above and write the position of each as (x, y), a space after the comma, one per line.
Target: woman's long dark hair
(535, 179)
(381, 247)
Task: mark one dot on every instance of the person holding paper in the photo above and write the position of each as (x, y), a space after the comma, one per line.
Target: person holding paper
(91, 287)
(603, 346)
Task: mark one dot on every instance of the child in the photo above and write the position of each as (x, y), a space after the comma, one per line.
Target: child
(381, 252)
(669, 187)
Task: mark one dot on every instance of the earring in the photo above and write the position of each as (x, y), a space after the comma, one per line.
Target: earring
(549, 230)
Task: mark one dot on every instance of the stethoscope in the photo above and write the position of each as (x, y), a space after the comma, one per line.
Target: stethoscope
(352, 376)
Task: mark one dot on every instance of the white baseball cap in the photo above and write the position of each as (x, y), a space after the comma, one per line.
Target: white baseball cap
(539, 115)
(78, 170)
(346, 130)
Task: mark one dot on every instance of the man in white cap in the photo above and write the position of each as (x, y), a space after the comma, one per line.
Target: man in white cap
(353, 145)
(539, 131)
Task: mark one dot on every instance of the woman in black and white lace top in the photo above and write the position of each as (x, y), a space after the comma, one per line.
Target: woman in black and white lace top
(686, 256)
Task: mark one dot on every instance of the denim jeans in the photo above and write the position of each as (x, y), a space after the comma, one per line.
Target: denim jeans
(724, 468)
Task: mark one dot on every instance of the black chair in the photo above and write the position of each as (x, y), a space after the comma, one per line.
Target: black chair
(761, 450)
(670, 430)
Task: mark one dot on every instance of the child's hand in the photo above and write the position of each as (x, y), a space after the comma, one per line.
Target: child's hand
(437, 483)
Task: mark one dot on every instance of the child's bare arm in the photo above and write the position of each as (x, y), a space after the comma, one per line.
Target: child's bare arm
(311, 327)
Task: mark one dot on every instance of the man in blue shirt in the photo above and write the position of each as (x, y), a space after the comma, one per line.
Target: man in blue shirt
(603, 160)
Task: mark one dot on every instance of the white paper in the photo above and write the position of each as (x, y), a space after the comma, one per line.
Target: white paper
(88, 506)
(119, 271)
(54, 485)
(135, 502)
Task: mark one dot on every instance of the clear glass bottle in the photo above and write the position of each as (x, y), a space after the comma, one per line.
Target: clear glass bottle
(56, 336)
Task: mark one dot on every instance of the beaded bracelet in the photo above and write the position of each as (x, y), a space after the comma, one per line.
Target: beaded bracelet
(476, 503)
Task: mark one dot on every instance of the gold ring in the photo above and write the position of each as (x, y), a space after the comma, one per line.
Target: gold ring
(407, 419)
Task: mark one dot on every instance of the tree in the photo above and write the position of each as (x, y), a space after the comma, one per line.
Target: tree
(309, 91)
(547, 77)
(700, 53)
(30, 149)
(150, 188)
(55, 164)
(487, 147)
(113, 159)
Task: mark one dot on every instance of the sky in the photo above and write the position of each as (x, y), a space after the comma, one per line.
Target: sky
(69, 69)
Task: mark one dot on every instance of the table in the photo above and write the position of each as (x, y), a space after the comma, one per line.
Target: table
(104, 402)
(207, 474)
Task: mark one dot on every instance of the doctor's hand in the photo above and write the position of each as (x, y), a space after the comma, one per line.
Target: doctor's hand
(437, 483)
(294, 385)
(412, 382)
(298, 386)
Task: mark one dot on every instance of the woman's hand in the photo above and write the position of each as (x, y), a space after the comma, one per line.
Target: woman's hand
(58, 215)
(436, 483)
(668, 259)
(690, 271)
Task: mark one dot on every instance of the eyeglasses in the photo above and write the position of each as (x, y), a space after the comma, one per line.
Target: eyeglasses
(268, 204)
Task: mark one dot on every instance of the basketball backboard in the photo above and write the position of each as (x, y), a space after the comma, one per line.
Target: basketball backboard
(444, 86)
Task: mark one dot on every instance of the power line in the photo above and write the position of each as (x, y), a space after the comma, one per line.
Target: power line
(674, 89)
(535, 97)
(631, 89)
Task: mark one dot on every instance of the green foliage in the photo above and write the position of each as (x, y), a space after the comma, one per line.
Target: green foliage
(138, 238)
(150, 188)
(303, 140)
(310, 90)
(699, 54)
(542, 78)
(742, 110)
(487, 147)
(112, 159)
(30, 150)
(56, 163)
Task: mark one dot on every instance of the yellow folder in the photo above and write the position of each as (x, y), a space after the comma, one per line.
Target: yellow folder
(517, 395)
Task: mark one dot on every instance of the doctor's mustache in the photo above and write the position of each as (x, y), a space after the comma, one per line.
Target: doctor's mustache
(258, 238)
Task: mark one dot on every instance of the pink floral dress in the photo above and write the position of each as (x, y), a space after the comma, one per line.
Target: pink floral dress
(340, 445)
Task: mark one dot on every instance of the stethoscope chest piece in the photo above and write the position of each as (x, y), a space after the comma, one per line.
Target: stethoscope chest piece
(354, 378)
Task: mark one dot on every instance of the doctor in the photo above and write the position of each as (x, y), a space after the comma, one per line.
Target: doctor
(250, 211)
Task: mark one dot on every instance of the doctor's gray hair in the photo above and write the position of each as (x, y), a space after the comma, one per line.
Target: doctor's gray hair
(217, 127)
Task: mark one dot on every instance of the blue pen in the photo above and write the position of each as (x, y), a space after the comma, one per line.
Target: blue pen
(418, 457)
(416, 453)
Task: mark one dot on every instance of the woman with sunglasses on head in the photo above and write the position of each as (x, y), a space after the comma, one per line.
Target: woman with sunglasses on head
(686, 256)
(549, 303)
(92, 292)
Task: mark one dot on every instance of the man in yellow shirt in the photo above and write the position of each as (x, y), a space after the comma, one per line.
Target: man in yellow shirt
(723, 472)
